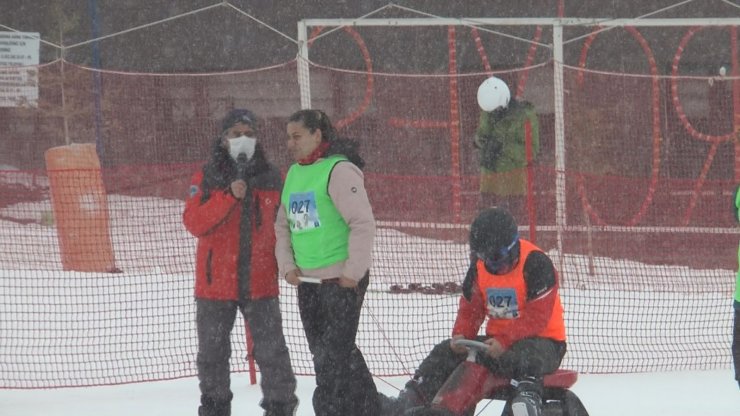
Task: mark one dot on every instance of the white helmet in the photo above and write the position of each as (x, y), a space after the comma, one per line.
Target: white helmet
(492, 94)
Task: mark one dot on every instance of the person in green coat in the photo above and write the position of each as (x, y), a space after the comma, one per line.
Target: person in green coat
(736, 303)
(500, 139)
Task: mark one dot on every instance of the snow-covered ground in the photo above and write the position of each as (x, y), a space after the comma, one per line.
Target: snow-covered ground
(687, 393)
(71, 328)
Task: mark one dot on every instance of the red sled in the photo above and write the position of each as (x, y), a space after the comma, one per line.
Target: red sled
(471, 382)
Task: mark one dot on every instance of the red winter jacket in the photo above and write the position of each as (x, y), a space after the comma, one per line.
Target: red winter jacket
(216, 224)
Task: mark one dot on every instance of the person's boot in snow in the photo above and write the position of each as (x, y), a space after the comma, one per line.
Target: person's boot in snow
(273, 408)
(528, 397)
(212, 407)
(396, 406)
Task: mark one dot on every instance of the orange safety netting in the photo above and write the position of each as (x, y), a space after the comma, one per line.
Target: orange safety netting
(646, 247)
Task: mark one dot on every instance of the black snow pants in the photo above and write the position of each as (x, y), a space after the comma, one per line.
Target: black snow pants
(330, 316)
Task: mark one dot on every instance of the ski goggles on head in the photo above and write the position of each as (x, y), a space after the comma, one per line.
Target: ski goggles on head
(503, 260)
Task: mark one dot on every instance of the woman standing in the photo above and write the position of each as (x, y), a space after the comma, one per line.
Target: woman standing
(325, 229)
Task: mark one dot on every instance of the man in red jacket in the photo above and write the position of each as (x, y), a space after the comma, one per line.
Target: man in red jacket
(231, 210)
(513, 285)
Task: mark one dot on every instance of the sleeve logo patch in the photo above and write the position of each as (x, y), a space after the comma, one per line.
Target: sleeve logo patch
(193, 190)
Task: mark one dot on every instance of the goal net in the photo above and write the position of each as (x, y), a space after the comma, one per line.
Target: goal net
(630, 192)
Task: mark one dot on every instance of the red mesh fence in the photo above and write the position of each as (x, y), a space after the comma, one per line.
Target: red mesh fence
(646, 252)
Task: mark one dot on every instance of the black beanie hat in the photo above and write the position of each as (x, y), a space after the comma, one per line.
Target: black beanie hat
(492, 230)
(239, 115)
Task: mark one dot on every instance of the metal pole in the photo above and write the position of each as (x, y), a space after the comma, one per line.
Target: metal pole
(559, 91)
(529, 157)
(97, 86)
(304, 79)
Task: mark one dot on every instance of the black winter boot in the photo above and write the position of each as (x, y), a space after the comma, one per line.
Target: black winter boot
(390, 406)
(211, 407)
(396, 406)
(527, 400)
(273, 408)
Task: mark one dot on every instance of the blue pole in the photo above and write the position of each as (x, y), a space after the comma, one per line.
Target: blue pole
(97, 85)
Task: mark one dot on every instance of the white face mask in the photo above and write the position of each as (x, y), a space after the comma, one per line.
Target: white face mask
(242, 144)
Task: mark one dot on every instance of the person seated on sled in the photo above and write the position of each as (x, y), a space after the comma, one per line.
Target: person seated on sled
(514, 284)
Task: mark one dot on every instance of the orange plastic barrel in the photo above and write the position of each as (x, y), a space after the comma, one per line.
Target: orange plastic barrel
(80, 208)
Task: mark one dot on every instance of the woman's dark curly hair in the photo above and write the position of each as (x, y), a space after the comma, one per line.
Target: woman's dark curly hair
(317, 120)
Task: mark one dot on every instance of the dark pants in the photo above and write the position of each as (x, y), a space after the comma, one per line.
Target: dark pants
(330, 316)
(736, 345)
(530, 357)
(215, 320)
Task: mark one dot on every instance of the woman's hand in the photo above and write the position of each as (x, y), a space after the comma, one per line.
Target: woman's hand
(293, 277)
(348, 283)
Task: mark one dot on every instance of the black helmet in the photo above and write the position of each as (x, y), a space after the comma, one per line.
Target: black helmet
(495, 240)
